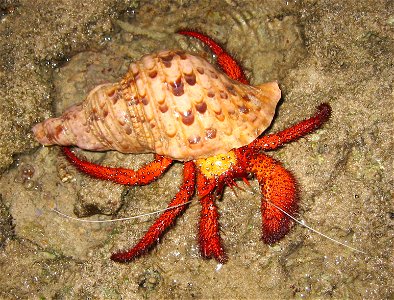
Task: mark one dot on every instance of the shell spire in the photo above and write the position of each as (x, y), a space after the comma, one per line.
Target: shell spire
(170, 103)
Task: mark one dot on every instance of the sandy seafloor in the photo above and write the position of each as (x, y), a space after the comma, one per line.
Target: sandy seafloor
(341, 52)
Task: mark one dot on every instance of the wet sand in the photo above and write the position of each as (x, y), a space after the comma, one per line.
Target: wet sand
(319, 51)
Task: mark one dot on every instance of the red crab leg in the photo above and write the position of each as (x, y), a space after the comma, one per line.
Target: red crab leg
(166, 219)
(209, 237)
(276, 140)
(144, 175)
(278, 186)
(228, 64)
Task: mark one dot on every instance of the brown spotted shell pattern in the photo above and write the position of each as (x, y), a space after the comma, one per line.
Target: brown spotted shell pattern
(170, 103)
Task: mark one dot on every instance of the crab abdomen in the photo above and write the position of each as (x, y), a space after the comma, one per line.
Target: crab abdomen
(170, 103)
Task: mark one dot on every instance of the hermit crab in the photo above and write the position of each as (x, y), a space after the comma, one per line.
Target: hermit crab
(180, 107)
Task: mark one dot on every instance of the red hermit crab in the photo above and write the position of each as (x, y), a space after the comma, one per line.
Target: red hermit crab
(180, 107)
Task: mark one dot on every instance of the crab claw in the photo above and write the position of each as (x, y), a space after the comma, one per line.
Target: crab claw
(278, 187)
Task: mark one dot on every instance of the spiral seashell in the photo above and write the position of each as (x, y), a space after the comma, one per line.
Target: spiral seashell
(170, 103)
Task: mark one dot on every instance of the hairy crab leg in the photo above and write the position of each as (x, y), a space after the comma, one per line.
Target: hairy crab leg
(145, 175)
(166, 219)
(278, 187)
(228, 64)
(209, 236)
(276, 140)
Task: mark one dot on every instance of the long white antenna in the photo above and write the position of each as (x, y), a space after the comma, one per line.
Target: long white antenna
(302, 223)
(120, 219)
(249, 189)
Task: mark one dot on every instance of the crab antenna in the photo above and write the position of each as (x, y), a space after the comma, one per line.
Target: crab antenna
(302, 223)
(119, 219)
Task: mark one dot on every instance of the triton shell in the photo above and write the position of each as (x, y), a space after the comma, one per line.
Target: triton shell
(170, 103)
